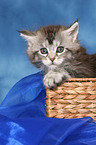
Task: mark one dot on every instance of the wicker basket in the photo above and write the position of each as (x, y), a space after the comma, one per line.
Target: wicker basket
(75, 98)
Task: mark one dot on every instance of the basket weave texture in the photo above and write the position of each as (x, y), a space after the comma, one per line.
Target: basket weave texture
(75, 98)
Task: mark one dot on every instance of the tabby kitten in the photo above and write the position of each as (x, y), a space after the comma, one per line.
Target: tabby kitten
(56, 50)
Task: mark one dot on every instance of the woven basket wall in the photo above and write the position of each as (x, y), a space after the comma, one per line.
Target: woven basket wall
(75, 98)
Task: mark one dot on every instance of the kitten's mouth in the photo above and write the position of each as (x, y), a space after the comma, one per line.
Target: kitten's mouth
(52, 63)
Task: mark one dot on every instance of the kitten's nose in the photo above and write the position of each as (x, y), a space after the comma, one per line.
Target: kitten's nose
(52, 59)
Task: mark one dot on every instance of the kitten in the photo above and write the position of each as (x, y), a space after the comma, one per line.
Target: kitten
(56, 50)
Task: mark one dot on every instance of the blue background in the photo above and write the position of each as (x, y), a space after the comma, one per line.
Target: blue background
(29, 14)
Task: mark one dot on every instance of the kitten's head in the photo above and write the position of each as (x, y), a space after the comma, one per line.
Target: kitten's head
(50, 46)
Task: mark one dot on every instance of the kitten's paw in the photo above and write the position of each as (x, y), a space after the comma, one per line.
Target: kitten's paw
(52, 79)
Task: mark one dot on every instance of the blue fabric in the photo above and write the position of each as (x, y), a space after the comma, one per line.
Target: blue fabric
(47, 131)
(23, 119)
(26, 98)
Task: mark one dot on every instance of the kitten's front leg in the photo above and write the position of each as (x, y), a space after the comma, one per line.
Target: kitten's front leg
(51, 79)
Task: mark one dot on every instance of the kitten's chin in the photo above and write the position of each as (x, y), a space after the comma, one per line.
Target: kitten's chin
(52, 66)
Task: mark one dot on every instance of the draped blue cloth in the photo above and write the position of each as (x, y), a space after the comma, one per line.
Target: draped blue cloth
(23, 119)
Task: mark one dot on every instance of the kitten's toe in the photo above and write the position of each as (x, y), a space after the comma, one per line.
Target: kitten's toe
(52, 80)
(58, 79)
(49, 83)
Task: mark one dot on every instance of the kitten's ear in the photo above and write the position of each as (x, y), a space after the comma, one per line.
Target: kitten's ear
(72, 31)
(29, 36)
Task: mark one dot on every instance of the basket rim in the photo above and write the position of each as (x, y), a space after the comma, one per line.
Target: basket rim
(81, 79)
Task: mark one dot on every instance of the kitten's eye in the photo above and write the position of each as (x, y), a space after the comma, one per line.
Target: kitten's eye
(60, 49)
(44, 50)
